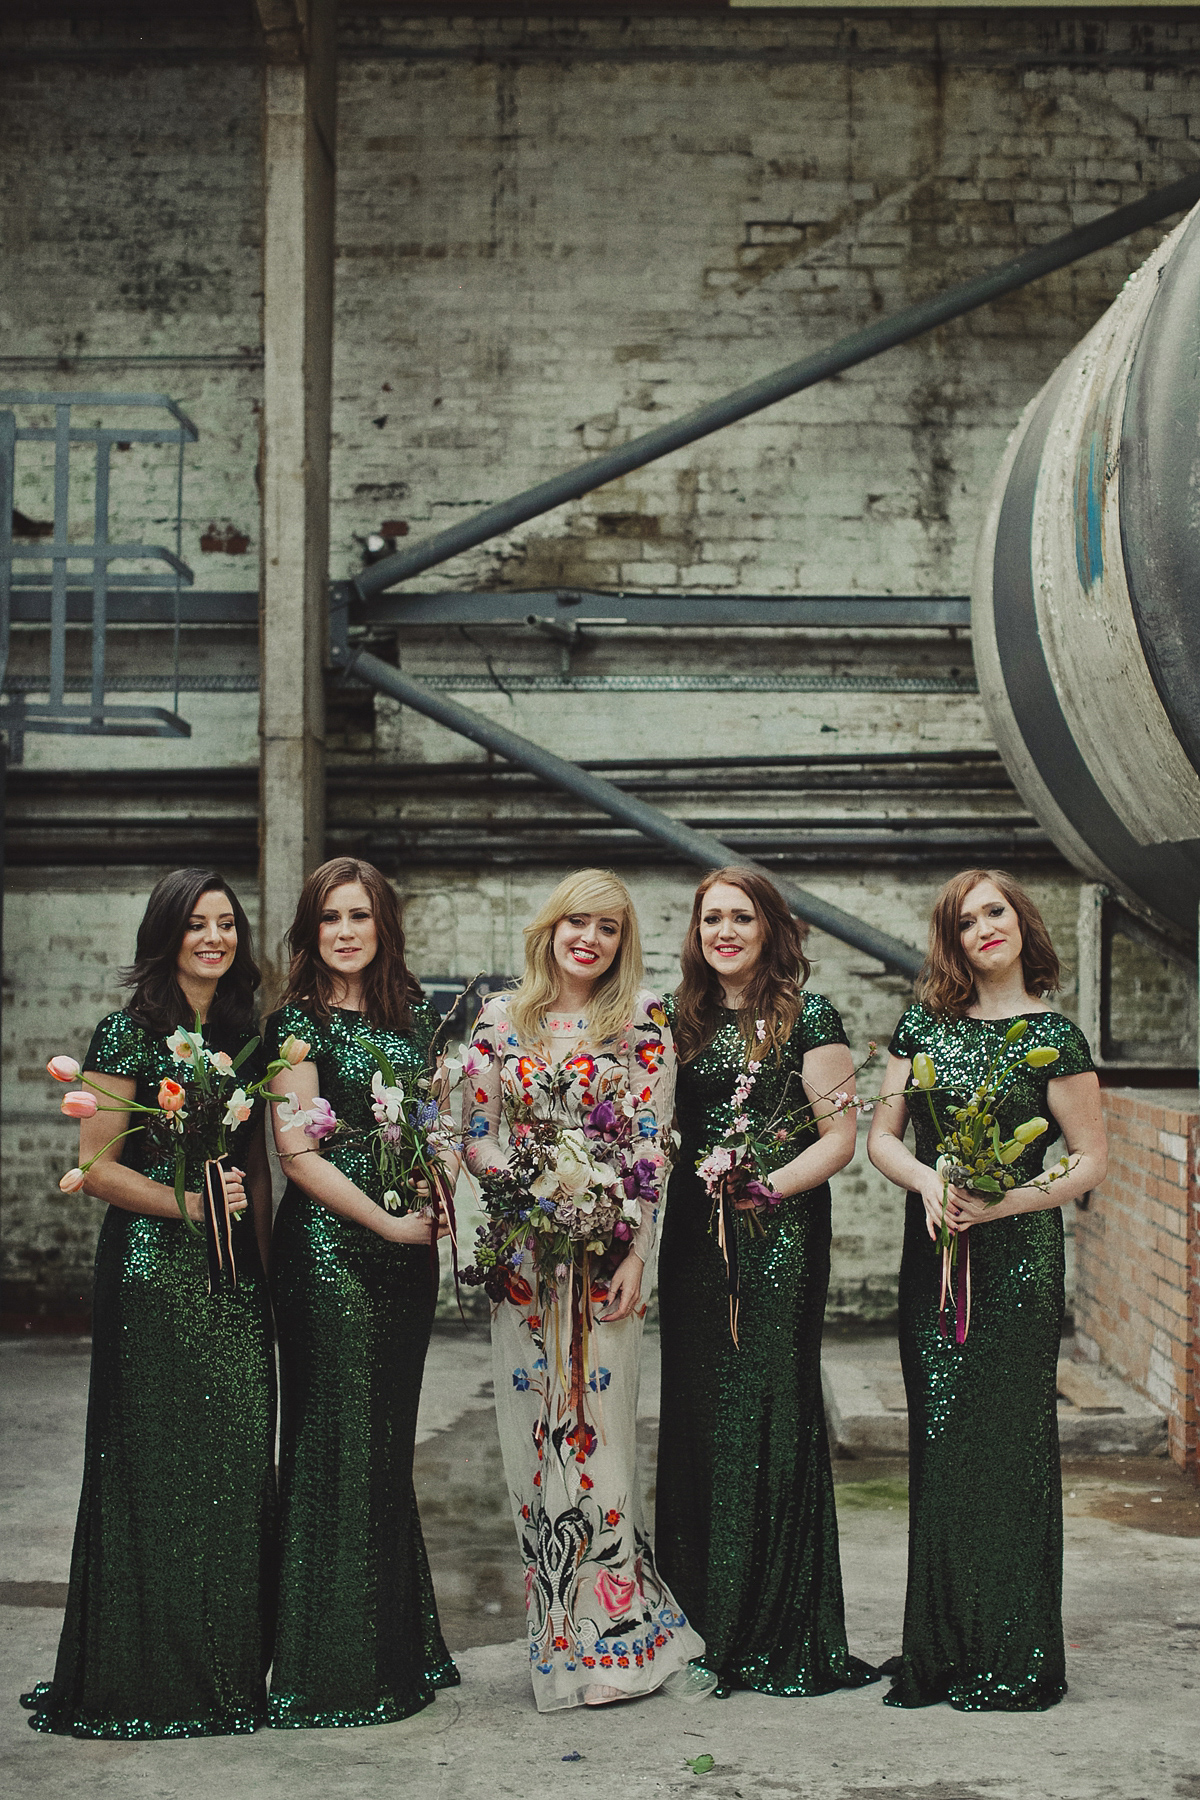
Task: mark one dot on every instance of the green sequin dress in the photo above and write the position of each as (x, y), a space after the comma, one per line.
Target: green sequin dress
(169, 1611)
(983, 1614)
(359, 1641)
(745, 1527)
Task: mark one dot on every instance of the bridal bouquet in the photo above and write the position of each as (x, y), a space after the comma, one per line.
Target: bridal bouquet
(189, 1120)
(971, 1153)
(568, 1202)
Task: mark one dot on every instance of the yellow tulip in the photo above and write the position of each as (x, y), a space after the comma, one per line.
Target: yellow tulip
(923, 1070)
(1041, 1059)
(1032, 1128)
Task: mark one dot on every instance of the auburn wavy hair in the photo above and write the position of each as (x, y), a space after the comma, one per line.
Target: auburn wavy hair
(614, 996)
(157, 1000)
(774, 992)
(946, 983)
(389, 991)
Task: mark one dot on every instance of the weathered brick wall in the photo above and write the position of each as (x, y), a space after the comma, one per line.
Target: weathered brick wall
(553, 234)
(1137, 1301)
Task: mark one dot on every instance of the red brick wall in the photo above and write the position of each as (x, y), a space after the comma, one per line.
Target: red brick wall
(1137, 1247)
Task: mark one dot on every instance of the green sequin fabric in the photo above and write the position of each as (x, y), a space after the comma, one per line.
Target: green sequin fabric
(745, 1527)
(983, 1615)
(359, 1641)
(170, 1606)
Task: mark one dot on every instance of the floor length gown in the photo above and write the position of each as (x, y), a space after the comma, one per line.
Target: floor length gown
(598, 1611)
(745, 1525)
(358, 1641)
(170, 1605)
(983, 1613)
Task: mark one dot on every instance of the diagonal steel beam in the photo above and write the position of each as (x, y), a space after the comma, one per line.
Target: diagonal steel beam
(859, 347)
(699, 847)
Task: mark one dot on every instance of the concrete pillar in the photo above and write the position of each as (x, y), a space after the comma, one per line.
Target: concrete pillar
(299, 117)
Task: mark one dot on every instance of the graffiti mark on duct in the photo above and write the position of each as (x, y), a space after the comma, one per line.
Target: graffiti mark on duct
(1095, 466)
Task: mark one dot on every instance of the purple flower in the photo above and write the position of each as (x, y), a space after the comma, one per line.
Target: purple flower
(621, 1230)
(322, 1120)
(641, 1181)
(604, 1122)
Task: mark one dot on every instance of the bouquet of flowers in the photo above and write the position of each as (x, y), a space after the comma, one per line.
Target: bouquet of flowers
(972, 1154)
(568, 1199)
(191, 1119)
(410, 1134)
(733, 1169)
(566, 1209)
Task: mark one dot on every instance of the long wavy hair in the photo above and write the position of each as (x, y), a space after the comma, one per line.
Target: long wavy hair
(614, 996)
(774, 992)
(157, 1001)
(946, 983)
(389, 990)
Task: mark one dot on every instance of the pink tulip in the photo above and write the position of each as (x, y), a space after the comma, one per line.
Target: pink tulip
(613, 1593)
(63, 1068)
(293, 1050)
(79, 1104)
(171, 1096)
(72, 1181)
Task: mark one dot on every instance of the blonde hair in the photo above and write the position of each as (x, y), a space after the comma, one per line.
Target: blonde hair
(615, 994)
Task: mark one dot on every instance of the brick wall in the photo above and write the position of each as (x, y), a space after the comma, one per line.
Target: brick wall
(1137, 1248)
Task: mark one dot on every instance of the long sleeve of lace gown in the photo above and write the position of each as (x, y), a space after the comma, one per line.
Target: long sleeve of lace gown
(651, 1066)
(482, 1098)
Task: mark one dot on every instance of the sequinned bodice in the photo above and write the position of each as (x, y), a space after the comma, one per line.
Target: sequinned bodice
(345, 1066)
(962, 1049)
(704, 1088)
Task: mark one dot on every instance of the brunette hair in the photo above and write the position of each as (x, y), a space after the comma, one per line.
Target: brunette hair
(774, 991)
(389, 991)
(157, 1001)
(614, 996)
(946, 983)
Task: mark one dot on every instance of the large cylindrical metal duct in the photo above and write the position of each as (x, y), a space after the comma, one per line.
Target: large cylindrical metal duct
(1086, 595)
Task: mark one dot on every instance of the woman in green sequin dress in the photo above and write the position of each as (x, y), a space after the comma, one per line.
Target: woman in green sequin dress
(745, 1528)
(354, 1285)
(983, 1615)
(169, 1611)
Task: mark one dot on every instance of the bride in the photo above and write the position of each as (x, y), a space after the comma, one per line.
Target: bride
(579, 1030)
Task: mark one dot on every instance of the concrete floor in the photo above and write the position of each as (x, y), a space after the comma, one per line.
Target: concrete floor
(1128, 1730)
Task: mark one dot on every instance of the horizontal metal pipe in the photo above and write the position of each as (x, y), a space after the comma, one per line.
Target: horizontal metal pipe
(697, 846)
(573, 607)
(859, 347)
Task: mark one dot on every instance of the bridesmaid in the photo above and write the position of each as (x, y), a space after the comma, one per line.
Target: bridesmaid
(745, 1524)
(580, 1029)
(983, 1616)
(359, 1641)
(168, 1623)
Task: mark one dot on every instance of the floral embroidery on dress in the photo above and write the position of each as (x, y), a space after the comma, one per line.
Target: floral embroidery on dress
(597, 1606)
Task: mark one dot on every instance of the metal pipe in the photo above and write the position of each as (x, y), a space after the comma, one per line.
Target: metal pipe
(859, 347)
(697, 846)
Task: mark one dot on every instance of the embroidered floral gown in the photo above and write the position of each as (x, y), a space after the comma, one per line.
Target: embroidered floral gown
(983, 1611)
(598, 1610)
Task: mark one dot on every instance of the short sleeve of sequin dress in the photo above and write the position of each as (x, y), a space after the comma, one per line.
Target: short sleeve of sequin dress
(168, 1622)
(745, 1526)
(983, 1615)
(358, 1641)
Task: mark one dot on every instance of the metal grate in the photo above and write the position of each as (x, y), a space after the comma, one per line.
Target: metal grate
(97, 717)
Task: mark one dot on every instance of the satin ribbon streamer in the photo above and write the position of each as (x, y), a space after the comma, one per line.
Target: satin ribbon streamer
(218, 1227)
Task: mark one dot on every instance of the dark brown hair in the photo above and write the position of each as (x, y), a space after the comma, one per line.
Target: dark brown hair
(774, 991)
(157, 1001)
(388, 990)
(946, 984)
